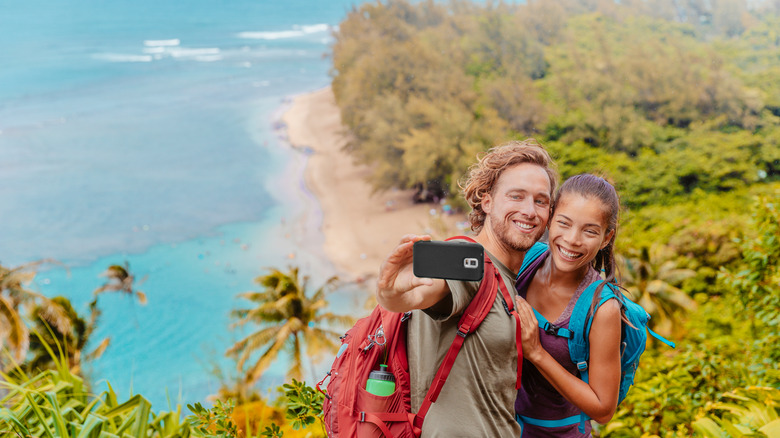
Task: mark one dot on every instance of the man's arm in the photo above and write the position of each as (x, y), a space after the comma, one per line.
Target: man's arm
(398, 290)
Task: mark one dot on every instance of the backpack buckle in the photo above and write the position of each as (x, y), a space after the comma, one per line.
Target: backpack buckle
(582, 366)
(506, 306)
(550, 329)
(378, 338)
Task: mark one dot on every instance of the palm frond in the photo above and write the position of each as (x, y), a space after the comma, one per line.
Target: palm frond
(117, 272)
(319, 341)
(270, 354)
(99, 350)
(265, 313)
(16, 332)
(330, 284)
(337, 320)
(259, 297)
(676, 276)
(55, 315)
(247, 346)
(315, 305)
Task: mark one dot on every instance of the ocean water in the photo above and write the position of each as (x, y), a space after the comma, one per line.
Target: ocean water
(146, 132)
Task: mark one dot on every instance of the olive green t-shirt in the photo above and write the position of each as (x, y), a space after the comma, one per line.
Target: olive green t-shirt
(478, 398)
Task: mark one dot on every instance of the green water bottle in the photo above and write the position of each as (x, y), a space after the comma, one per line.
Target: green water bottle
(381, 382)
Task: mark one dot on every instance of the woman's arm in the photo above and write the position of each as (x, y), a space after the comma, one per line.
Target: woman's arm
(398, 290)
(597, 398)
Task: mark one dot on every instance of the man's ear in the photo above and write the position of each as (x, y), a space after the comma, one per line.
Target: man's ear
(487, 203)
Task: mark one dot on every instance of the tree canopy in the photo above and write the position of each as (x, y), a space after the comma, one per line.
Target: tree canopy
(664, 99)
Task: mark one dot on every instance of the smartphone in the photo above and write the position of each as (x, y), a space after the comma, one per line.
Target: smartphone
(451, 260)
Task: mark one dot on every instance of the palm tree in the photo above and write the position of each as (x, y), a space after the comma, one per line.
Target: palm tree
(651, 278)
(69, 344)
(288, 321)
(74, 338)
(15, 300)
(120, 279)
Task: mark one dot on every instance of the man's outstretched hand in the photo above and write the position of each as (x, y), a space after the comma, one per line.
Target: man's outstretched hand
(398, 290)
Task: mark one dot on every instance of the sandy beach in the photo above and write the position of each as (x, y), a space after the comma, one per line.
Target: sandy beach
(360, 228)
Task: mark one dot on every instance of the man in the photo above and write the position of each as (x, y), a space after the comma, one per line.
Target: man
(509, 191)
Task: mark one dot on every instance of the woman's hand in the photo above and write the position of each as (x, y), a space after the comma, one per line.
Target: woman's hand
(532, 347)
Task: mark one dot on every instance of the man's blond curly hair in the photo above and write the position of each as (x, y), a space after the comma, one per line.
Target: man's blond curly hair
(483, 175)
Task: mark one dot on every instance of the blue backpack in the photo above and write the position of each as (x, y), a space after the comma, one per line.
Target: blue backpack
(634, 336)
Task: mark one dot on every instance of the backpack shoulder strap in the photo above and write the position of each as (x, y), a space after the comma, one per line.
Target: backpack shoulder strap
(532, 254)
(472, 317)
(580, 323)
(582, 320)
(508, 301)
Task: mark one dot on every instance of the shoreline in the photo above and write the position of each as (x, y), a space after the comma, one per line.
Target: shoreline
(359, 227)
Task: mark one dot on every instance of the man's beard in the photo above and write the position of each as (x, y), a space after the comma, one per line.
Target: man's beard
(514, 240)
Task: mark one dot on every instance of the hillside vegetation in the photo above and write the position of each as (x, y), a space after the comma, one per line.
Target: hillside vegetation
(677, 103)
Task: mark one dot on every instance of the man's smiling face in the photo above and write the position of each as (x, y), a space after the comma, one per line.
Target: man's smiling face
(518, 208)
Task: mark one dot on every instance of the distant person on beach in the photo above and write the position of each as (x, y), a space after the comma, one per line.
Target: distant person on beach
(510, 191)
(581, 244)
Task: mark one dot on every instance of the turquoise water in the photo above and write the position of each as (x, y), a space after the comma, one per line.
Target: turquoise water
(144, 132)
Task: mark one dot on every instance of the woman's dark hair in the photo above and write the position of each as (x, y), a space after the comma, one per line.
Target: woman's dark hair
(593, 187)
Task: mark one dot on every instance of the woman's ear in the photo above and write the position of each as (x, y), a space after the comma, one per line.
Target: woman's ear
(607, 238)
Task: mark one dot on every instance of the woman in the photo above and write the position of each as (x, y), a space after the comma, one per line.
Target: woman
(581, 242)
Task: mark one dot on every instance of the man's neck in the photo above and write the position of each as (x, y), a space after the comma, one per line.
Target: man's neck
(511, 258)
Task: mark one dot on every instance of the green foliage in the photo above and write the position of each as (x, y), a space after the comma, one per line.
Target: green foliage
(758, 283)
(651, 277)
(215, 422)
(304, 404)
(751, 411)
(610, 84)
(57, 403)
(272, 431)
(720, 351)
(673, 389)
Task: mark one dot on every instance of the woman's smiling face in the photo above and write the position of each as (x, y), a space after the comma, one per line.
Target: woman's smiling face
(578, 230)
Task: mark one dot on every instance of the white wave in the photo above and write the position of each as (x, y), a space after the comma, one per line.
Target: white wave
(314, 28)
(184, 53)
(297, 31)
(116, 57)
(208, 58)
(167, 43)
(270, 35)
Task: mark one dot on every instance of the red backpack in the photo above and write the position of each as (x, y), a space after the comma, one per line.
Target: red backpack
(380, 338)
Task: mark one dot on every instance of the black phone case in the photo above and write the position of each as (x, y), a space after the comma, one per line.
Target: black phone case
(452, 260)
